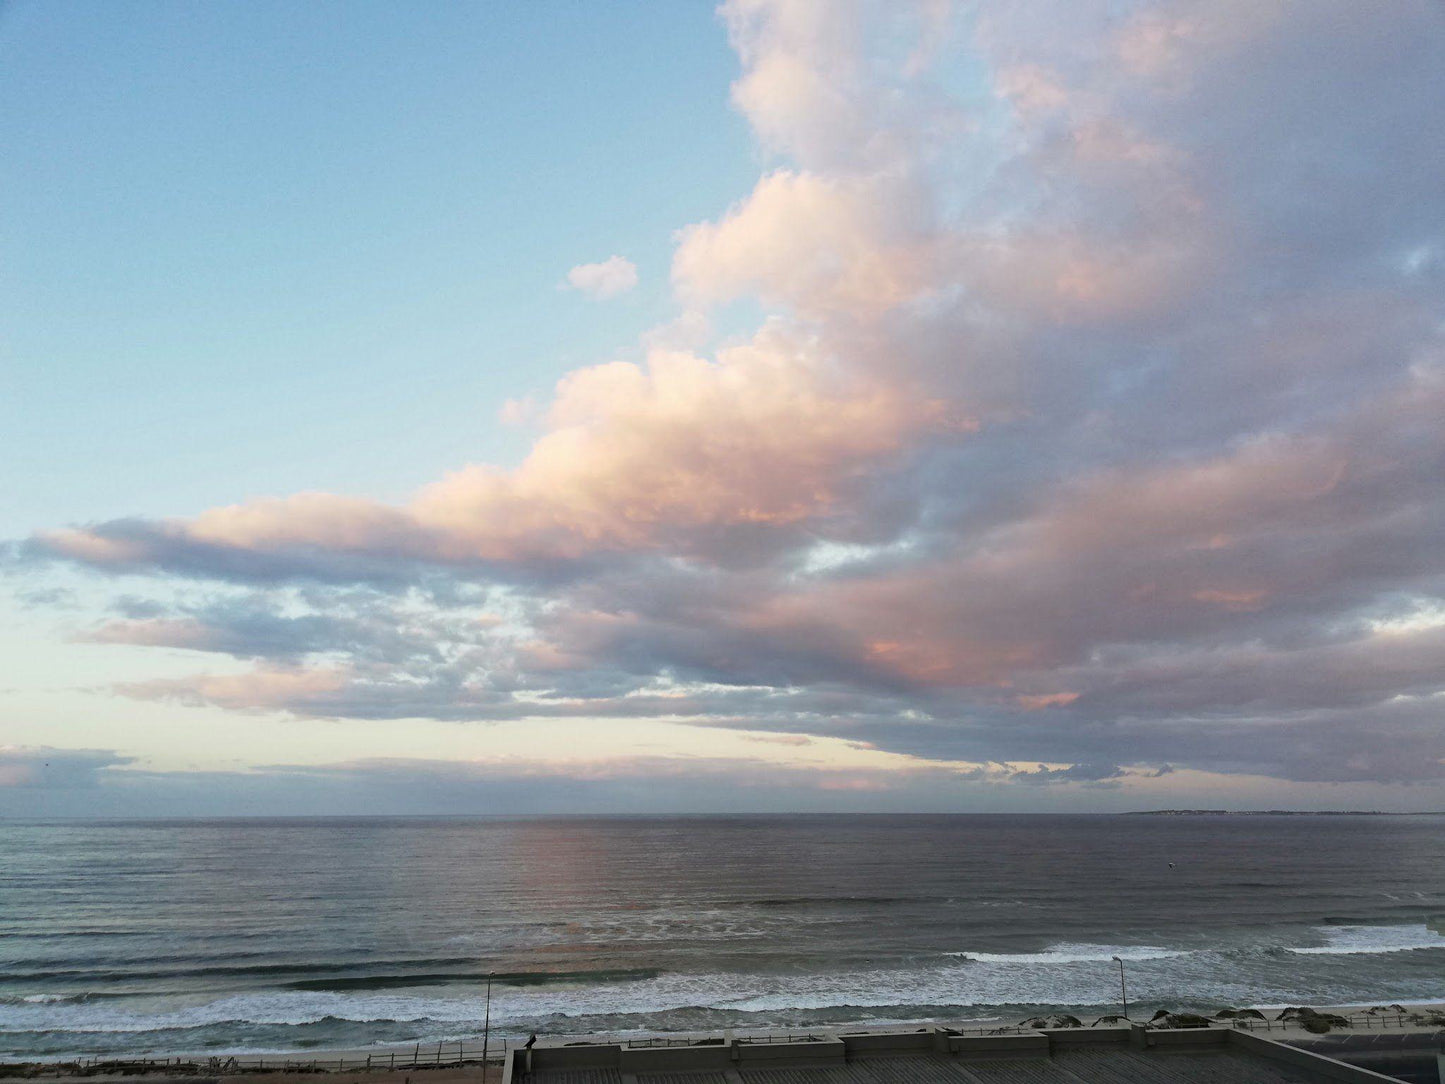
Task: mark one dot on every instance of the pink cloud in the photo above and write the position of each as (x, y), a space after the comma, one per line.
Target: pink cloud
(265, 688)
(1039, 701)
(769, 435)
(817, 244)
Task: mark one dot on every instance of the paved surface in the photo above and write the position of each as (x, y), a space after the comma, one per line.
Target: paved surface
(1408, 1056)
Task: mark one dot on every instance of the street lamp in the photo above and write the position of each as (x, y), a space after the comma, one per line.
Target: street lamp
(1123, 993)
(487, 1024)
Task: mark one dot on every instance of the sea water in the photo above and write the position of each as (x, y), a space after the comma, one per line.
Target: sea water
(269, 935)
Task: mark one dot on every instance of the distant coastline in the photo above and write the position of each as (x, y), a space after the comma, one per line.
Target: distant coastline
(1279, 813)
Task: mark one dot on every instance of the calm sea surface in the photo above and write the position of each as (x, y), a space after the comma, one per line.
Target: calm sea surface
(287, 934)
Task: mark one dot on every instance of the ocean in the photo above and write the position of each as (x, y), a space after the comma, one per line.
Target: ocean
(278, 935)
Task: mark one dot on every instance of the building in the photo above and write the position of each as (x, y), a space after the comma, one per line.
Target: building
(1103, 1055)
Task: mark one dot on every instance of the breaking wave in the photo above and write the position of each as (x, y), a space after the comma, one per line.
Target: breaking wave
(1074, 954)
(1369, 940)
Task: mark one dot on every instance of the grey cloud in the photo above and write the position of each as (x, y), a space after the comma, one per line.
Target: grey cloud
(142, 545)
(137, 608)
(46, 768)
(255, 627)
(47, 598)
(1095, 774)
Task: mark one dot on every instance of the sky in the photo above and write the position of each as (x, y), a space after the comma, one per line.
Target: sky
(780, 406)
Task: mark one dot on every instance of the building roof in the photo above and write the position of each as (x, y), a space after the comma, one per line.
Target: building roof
(1135, 1055)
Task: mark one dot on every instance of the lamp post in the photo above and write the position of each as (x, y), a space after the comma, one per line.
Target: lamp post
(1123, 992)
(487, 1025)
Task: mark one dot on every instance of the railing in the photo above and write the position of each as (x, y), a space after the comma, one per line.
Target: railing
(1357, 1019)
(1386, 1020)
(1008, 1029)
(785, 1037)
(420, 1056)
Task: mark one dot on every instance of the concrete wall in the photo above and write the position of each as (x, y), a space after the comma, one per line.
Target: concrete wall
(1183, 1036)
(895, 1042)
(1030, 1044)
(759, 1055)
(589, 1056)
(675, 1059)
(697, 1057)
(1086, 1036)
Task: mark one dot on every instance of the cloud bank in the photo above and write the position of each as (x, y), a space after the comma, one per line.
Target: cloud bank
(1095, 420)
(807, 776)
(32, 768)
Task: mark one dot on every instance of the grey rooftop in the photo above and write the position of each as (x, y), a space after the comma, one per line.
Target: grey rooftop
(1106, 1055)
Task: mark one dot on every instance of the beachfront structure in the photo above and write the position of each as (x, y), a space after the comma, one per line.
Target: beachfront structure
(1103, 1055)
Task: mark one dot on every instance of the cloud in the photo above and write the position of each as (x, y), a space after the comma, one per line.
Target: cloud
(683, 454)
(1093, 421)
(519, 784)
(610, 278)
(817, 243)
(517, 412)
(47, 768)
(1088, 774)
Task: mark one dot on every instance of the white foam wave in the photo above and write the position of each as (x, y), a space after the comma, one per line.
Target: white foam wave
(957, 984)
(960, 983)
(1062, 974)
(293, 1008)
(1074, 954)
(1368, 940)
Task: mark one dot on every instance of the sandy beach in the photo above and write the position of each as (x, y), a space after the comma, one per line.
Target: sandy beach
(456, 1061)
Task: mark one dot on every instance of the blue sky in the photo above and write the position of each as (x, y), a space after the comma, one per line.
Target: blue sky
(319, 247)
(926, 405)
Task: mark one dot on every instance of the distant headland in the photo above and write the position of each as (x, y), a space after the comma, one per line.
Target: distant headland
(1278, 813)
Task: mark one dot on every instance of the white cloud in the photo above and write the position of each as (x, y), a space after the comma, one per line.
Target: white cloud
(518, 412)
(599, 281)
